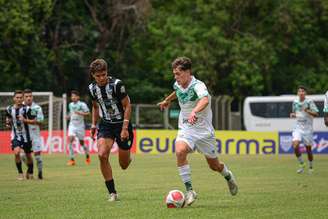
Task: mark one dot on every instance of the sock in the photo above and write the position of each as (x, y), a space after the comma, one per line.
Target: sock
(30, 168)
(39, 162)
(19, 167)
(86, 150)
(71, 151)
(300, 160)
(225, 172)
(110, 186)
(185, 174)
(23, 157)
(311, 164)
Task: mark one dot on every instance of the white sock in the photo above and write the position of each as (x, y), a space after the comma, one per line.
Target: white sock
(225, 171)
(311, 164)
(300, 159)
(39, 162)
(185, 173)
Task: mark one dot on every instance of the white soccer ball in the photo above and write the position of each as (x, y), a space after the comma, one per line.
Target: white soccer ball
(175, 199)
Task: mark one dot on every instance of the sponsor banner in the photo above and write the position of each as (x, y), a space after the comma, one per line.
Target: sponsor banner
(57, 143)
(228, 142)
(320, 146)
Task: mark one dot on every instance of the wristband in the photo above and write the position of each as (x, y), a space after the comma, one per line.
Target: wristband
(93, 126)
(126, 120)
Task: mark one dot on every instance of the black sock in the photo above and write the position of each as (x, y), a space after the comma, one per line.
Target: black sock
(110, 186)
(19, 167)
(87, 156)
(30, 168)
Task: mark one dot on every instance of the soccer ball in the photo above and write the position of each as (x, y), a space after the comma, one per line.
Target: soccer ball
(175, 199)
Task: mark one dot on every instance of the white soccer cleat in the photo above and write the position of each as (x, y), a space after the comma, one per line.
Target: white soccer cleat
(113, 197)
(232, 184)
(190, 197)
(301, 169)
(20, 176)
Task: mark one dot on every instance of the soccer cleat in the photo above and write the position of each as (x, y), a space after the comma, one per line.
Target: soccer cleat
(40, 176)
(20, 176)
(311, 170)
(190, 197)
(113, 197)
(29, 176)
(301, 168)
(87, 161)
(232, 184)
(71, 163)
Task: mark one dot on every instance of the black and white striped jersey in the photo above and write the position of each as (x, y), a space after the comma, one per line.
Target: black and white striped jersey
(109, 99)
(20, 130)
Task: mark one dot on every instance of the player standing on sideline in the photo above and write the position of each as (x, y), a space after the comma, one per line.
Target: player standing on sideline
(304, 110)
(34, 128)
(111, 109)
(77, 110)
(325, 109)
(16, 115)
(195, 126)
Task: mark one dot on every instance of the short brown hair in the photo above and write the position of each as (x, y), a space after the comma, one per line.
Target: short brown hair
(98, 65)
(18, 92)
(75, 92)
(27, 91)
(184, 63)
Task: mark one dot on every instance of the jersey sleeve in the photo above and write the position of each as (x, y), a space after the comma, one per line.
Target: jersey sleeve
(313, 107)
(85, 108)
(8, 115)
(325, 107)
(90, 92)
(294, 106)
(201, 90)
(120, 90)
(39, 114)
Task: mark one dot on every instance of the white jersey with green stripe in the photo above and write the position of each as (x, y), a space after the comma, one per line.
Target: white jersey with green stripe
(304, 121)
(75, 119)
(325, 108)
(36, 113)
(188, 99)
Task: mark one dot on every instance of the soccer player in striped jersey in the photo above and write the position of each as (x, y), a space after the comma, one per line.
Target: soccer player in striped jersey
(16, 118)
(76, 129)
(325, 109)
(195, 126)
(304, 109)
(34, 128)
(111, 111)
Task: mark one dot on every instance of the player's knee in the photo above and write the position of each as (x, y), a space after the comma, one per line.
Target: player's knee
(181, 153)
(124, 165)
(103, 157)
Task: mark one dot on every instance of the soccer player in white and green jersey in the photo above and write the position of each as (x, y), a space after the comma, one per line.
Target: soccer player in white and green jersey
(195, 126)
(77, 111)
(34, 128)
(304, 109)
(325, 109)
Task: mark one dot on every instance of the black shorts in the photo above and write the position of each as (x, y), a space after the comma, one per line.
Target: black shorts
(26, 146)
(113, 131)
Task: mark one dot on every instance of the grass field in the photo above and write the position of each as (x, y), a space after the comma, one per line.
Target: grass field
(269, 188)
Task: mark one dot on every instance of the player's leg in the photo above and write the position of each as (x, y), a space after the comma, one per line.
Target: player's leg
(71, 139)
(309, 142)
(297, 137)
(28, 151)
(37, 148)
(16, 149)
(124, 154)
(104, 147)
(80, 133)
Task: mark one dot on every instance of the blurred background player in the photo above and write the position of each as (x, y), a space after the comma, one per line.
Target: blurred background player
(16, 115)
(304, 109)
(34, 123)
(195, 126)
(111, 107)
(76, 129)
(325, 109)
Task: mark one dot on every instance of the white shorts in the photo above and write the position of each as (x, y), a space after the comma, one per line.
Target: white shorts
(36, 144)
(76, 132)
(202, 142)
(305, 137)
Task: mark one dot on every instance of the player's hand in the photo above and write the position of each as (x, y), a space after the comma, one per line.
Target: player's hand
(8, 123)
(21, 118)
(93, 131)
(292, 115)
(124, 134)
(164, 104)
(192, 118)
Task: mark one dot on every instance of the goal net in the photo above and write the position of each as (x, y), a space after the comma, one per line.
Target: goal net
(52, 110)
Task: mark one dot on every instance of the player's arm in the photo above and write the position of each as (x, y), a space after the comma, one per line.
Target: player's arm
(167, 101)
(127, 113)
(312, 109)
(9, 119)
(95, 117)
(34, 120)
(200, 106)
(82, 113)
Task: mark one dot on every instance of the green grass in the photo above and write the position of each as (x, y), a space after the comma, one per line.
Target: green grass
(269, 188)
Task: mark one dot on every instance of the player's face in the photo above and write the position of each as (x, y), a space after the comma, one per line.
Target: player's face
(28, 98)
(75, 97)
(301, 93)
(182, 76)
(18, 99)
(100, 78)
